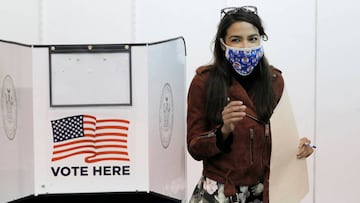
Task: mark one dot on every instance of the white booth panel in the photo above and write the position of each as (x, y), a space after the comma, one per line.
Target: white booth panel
(16, 129)
(86, 148)
(166, 87)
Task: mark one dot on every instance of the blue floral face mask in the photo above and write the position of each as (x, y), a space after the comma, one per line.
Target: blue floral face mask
(243, 60)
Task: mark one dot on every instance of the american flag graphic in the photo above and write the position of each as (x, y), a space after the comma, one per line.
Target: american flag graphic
(99, 139)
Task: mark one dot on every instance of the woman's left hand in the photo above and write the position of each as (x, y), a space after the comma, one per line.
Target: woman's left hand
(305, 150)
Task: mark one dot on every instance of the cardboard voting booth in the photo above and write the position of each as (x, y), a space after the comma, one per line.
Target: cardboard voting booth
(92, 118)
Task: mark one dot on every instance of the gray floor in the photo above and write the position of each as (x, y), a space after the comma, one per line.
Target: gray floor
(100, 197)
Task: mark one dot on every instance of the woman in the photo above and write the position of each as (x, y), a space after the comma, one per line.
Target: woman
(230, 103)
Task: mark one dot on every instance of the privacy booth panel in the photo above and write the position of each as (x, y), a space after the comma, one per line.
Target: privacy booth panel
(91, 129)
(16, 124)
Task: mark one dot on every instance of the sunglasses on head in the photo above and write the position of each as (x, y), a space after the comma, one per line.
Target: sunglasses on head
(232, 10)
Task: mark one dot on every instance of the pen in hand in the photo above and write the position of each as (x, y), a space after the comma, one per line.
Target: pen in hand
(310, 145)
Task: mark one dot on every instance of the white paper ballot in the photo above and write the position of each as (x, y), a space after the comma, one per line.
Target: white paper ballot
(288, 175)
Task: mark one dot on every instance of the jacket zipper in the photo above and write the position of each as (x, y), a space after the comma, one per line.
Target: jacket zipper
(251, 145)
(267, 133)
(210, 134)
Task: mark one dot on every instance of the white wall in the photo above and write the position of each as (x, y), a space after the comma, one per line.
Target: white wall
(310, 41)
(87, 21)
(338, 102)
(20, 20)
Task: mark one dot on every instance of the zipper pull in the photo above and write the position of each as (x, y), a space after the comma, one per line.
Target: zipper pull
(211, 134)
(251, 134)
(267, 130)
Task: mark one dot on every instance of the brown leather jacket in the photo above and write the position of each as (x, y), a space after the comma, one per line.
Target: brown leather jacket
(248, 161)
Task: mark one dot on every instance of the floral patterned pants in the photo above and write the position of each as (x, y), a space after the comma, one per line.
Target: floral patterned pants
(210, 191)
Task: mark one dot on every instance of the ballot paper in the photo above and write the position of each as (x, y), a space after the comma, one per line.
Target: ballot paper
(288, 175)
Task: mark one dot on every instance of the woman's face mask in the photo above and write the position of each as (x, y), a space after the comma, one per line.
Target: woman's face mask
(243, 60)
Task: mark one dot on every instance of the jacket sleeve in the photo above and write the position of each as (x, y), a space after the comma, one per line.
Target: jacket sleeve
(201, 139)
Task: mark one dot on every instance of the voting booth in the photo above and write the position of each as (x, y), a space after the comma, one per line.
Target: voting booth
(92, 118)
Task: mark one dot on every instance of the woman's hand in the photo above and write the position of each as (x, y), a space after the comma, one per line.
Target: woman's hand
(305, 150)
(233, 112)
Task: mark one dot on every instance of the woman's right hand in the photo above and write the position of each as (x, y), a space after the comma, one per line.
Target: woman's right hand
(233, 112)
